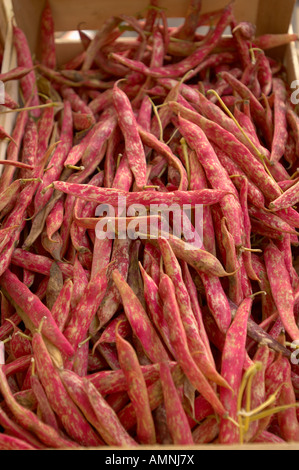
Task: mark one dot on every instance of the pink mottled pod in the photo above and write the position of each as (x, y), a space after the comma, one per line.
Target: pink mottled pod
(137, 390)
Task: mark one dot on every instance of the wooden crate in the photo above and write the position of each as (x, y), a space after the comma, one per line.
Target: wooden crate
(270, 16)
(9, 62)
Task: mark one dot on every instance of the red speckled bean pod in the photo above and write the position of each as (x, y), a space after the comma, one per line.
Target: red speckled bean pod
(24, 58)
(195, 343)
(124, 177)
(15, 74)
(199, 181)
(20, 364)
(188, 28)
(128, 125)
(217, 301)
(255, 196)
(293, 122)
(110, 163)
(287, 420)
(258, 112)
(286, 248)
(271, 220)
(13, 148)
(155, 309)
(214, 113)
(267, 437)
(270, 41)
(216, 175)
(139, 321)
(264, 71)
(111, 196)
(108, 382)
(137, 391)
(201, 260)
(9, 102)
(85, 311)
(235, 292)
(45, 126)
(275, 376)
(55, 219)
(99, 40)
(6, 327)
(13, 443)
(80, 280)
(82, 122)
(247, 227)
(237, 151)
(15, 430)
(30, 144)
(280, 120)
(77, 104)
(282, 290)
(101, 102)
(233, 357)
(195, 304)
(27, 419)
(258, 387)
(124, 329)
(75, 387)
(76, 152)
(48, 415)
(108, 424)
(180, 344)
(206, 432)
(127, 415)
(47, 39)
(7, 195)
(57, 161)
(61, 308)
(38, 263)
(71, 418)
(177, 421)
(181, 68)
(162, 149)
(288, 199)
(112, 298)
(242, 45)
(19, 345)
(35, 310)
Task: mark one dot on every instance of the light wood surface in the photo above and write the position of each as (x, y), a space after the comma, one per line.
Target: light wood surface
(189, 449)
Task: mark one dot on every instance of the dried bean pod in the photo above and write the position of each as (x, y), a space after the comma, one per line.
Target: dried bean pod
(24, 59)
(280, 120)
(137, 391)
(282, 290)
(47, 413)
(108, 425)
(49, 436)
(89, 303)
(139, 320)
(35, 310)
(233, 357)
(48, 50)
(180, 345)
(128, 125)
(175, 415)
(72, 419)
